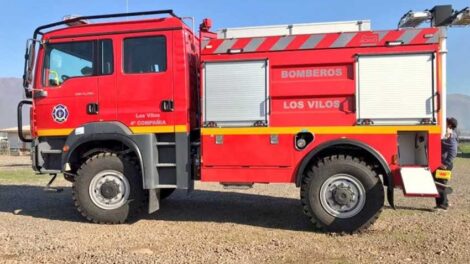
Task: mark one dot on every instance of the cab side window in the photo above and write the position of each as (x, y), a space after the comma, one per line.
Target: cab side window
(145, 55)
(66, 60)
(106, 57)
(77, 59)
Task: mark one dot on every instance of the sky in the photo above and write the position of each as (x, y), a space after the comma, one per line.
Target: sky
(19, 18)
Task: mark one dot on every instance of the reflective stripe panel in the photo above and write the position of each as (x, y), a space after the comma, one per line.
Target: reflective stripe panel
(54, 132)
(225, 45)
(343, 40)
(326, 40)
(204, 43)
(434, 39)
(135, 130)
(283, 42)
(409, 35)
(312, 41)
(158, 129)
(382, 35)
(253, 44)
(324, 130)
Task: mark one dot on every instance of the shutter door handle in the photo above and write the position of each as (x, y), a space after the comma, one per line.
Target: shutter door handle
(92, 108)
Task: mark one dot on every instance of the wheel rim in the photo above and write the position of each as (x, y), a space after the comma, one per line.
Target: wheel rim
(342, 196)
(109, 189)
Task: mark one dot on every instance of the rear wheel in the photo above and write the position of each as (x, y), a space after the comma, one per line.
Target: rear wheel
(342, 194)
(108, 189)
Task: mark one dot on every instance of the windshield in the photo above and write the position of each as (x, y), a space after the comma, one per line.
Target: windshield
(67, 60)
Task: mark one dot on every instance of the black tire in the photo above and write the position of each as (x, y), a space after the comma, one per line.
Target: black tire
(165, 193)
(358, 170)
(99, 163)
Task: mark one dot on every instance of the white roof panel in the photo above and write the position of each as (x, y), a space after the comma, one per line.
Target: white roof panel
(294, 29)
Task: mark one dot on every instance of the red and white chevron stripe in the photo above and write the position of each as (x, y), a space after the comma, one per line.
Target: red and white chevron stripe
(322, 41)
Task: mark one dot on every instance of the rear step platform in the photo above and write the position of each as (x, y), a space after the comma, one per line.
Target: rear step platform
(418, 181)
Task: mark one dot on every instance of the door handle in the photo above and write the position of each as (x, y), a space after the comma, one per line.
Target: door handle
(92, 108)
(167, 106)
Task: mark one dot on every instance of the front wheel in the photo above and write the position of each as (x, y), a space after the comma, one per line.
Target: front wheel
(108, 189)
(342, 194)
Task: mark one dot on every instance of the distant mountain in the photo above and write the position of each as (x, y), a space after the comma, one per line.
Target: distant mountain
(11, 92)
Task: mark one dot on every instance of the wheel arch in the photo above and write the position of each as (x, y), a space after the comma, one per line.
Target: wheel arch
(335, 145)
(101, 134)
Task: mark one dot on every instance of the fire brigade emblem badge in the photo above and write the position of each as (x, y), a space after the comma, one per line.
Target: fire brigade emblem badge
(60, 113)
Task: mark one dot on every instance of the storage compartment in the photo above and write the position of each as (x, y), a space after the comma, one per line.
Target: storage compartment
(396, 89)
(235, 93)
(413, 148)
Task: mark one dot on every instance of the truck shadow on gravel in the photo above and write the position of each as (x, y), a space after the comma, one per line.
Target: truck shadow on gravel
(200, 206)
(34, 201)
(230, 207)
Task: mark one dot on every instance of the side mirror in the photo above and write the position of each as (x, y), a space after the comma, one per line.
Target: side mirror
(29, 63)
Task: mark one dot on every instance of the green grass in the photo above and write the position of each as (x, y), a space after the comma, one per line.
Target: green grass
(21, 176)
(465, 147)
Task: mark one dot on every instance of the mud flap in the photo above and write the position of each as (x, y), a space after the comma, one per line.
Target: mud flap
(154, 200)
(390, 197)
(418, 181)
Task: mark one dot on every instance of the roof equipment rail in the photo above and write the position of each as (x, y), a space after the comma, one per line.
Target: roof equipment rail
(84, 18)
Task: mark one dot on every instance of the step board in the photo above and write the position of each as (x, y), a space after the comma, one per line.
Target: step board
(418, 181)
(165, 144)
(51, 151)
(166, 165)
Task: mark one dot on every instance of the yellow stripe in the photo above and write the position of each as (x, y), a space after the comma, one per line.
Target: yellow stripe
(332, 130)
(158, 129)
(54, 132)
(336, 130)
(181, 128)
(135, 130)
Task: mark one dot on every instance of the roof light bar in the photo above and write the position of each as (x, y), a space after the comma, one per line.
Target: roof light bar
(439, 16)
(414, 19)
(461, 18)
(74, 22)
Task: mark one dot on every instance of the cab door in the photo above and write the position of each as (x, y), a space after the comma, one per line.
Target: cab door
(145, 84)
(107, 93)
(70, 85)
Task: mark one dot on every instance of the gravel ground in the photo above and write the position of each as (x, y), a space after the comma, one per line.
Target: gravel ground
(14, 162)
(261, 225)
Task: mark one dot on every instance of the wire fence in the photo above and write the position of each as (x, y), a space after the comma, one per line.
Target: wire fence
(4, 147)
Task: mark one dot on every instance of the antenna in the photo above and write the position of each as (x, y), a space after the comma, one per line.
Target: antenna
(127, 9)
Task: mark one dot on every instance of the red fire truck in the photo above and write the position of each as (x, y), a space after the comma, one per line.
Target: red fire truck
(131, 110)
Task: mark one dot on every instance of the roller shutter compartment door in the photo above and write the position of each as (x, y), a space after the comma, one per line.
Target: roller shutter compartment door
(235, 92)
(395, 89)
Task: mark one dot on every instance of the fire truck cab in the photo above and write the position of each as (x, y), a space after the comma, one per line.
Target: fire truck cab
(129, 111)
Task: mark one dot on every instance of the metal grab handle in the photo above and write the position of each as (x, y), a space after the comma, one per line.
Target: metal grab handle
(145, 13)
(437, 97)
(20, 120)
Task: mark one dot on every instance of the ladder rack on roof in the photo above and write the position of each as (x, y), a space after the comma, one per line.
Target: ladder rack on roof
(294, 29)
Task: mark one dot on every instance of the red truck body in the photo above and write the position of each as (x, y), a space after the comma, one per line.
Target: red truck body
(323, 104)
(243, 110)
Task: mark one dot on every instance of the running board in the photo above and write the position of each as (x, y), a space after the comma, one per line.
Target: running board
(166, 165)
(237, 186)
(418, 181)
